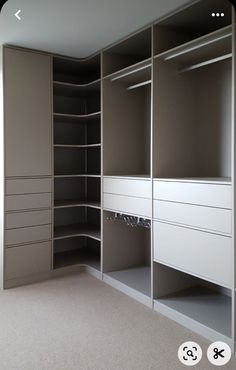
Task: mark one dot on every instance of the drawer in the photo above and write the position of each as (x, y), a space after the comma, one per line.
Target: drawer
(215, 219)
(199, 253)
(28, 201)
(129, 187)
(131, 205)
(28, 234)
(27, 260)
(29, 218)
(213, 195)
(28, 186)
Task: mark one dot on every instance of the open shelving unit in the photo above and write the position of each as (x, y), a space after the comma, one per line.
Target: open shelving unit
(77, 162)
(194, 303)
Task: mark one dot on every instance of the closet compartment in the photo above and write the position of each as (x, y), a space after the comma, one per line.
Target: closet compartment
(184, 26)
(203, 254)
(131, 51)
(72, 103)
(76, 71)
(127, 123)
(192, 113)
(77, 132)
(127, 255)
(77, 221)
(77, 251)
(202, 307)
(77, 161)
(77, 191)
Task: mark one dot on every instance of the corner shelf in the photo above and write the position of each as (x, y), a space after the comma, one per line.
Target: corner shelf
(63, 232)
(70, 89)
(76, 203)
(76, 117)
(77, 146)
(76, 257)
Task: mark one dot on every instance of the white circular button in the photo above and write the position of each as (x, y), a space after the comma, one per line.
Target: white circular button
(190, 353)
(219, 353)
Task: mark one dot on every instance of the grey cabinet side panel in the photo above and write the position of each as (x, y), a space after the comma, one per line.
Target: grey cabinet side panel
(28, 115)
(1, 171)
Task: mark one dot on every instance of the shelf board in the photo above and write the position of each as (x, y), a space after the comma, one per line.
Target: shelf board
(202, 305)
(130, 177)
(70, 89)
(137, 278)
(77, 175)
(76, 203)
(63, 117)
(212, 45)
(77, 146)
(63, 232)
(76, 257)
(131, 70)
(203, 180)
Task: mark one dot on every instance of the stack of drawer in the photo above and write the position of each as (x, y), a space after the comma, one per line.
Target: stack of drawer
(192, 228)
(127, 195)
(28, 229)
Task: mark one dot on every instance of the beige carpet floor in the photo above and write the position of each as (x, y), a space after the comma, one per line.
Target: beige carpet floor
(80, 323)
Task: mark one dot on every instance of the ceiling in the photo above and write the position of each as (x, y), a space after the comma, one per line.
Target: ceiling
(77, 27)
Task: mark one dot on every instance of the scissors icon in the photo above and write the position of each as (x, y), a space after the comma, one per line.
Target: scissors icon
(218, 353)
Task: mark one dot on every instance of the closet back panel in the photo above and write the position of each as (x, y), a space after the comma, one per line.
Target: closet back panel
(77, 188)
(76, 105)
(76, 216)
(69, 161)
(126, 141)
(192, 118)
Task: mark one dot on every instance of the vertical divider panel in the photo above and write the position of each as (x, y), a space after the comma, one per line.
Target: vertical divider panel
(233, 176)
(1, 171)
(101, 159)
(151, 158)
(52, 154)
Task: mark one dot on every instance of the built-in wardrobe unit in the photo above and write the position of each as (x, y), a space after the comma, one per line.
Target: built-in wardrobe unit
(123, 164)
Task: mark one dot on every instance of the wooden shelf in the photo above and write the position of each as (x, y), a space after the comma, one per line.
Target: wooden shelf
(76, 175)
(131, 70)
(62, 117)
(77, 146)
(137, 278)
(76, 203)
(202, 305)
(70, 89)
(217, 42)
(203, 180)
(63, 232)
(76, 257)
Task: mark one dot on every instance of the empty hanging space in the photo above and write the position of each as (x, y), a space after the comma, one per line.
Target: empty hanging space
(198, 305)
(76, 251)
(77, 221)
(127, 255)
(127, 122)
(77, 191)
(192, 109)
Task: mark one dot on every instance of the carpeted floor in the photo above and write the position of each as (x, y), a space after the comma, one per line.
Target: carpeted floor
(78, 322)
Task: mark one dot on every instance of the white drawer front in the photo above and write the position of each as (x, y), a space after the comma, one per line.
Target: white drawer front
(27, 234)
(27, 260)
(196, 252)
(203, 194)
(29, 218)
(28, 186)
(134, 188)
(215, 219)
(131, 205)
(28, 201)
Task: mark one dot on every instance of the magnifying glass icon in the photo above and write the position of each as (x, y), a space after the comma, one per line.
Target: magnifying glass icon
(190, 353)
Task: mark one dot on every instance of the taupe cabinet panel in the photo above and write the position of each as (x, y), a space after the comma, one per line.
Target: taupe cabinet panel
(27, 113)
